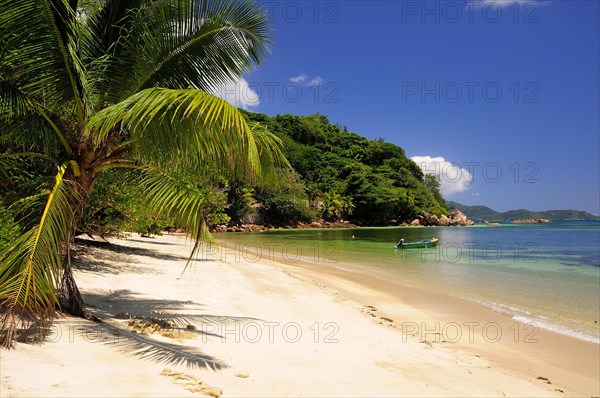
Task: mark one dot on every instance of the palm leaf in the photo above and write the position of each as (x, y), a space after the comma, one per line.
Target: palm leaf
(24, 122)
(29, 269)
(101, 49)
(177, 198)
(35, 37)
(271, 157)
(26, 155)
(183, 43)
(188, 129)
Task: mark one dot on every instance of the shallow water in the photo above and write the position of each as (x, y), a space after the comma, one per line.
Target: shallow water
(543, 273)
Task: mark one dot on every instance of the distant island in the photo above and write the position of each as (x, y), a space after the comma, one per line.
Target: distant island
(480, 213)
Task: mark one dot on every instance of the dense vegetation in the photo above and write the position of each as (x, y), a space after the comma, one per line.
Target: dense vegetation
(485, 213)
(343, 175)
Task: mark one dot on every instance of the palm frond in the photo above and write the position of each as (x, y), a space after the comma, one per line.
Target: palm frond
(178, 198)
(30, 268)
(14, 102)
(7, 166)
(24, 121)
(105, 23)
(18, 155)
(182, 129)
(100, 27)
(12, 167)
(35, 51)
(181, 43)
(270, 152)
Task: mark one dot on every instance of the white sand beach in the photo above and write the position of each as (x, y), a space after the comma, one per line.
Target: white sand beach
(252, 327)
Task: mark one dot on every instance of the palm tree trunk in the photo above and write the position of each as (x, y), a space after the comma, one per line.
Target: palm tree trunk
(69, 296)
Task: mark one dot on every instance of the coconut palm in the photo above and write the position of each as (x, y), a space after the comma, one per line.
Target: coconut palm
(334, 206)
(97, 85)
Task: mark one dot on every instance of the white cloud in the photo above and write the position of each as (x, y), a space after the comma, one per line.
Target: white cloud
(307, 80)
(298, 79)
(317, 81)
(453, 178)
(238, 93)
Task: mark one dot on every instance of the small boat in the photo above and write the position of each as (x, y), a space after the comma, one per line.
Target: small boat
(425, 243)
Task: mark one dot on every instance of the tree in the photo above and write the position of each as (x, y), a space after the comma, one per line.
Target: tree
(286, 203)
(241, 201)
(334, 206)
(432, 182)
(118, 85)
(375, 174)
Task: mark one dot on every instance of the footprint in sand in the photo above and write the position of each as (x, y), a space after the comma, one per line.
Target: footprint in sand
(192, 383)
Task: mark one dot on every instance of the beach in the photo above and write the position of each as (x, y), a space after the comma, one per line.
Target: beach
(249, 325)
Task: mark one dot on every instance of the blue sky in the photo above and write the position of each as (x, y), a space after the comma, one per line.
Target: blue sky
(500, 98)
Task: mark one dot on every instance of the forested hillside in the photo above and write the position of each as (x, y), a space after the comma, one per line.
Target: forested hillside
(368, 182)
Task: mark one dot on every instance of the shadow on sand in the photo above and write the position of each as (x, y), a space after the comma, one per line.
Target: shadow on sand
(116, 258)
(188, 316)
(108, 303)
(145, 347)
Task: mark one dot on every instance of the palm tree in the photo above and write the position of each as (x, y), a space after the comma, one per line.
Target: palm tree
(97, 85)
(334, 206)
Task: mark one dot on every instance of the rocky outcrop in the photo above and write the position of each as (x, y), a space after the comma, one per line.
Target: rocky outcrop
(456, 218)
(261, 228)
(253, 219)
(432, 219)
(325, 224)
(443, 221)
(531, 221)
(239, 228)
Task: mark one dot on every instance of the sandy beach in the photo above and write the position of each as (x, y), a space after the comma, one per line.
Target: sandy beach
(249, 326)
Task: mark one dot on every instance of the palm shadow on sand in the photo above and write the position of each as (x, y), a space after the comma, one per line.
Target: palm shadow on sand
(116, 258)
(108, 258)
(108, 303)
(149, 349)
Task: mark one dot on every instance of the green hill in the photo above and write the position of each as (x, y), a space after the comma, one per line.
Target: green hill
(480, 213)
(369, 182)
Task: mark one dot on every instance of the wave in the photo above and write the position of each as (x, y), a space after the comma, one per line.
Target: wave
(558, 328)
(524, 316)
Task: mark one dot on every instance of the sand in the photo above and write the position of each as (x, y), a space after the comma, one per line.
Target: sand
(251, 326)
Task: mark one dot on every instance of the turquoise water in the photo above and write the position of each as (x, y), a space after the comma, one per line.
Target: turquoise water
(543, 273)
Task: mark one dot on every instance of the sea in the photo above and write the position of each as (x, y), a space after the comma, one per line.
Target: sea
(547, 274)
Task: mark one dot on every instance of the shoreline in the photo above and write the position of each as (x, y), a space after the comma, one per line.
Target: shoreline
(527, 349)
(320, 252)
(570, 363)
(223, 305)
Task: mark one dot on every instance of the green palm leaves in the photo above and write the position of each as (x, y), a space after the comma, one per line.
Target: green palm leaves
(334, 206)
(176, 44)
(31, 267)
(118, 84)
(196, 126)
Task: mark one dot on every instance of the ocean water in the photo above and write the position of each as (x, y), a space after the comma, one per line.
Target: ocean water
(543, 273)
